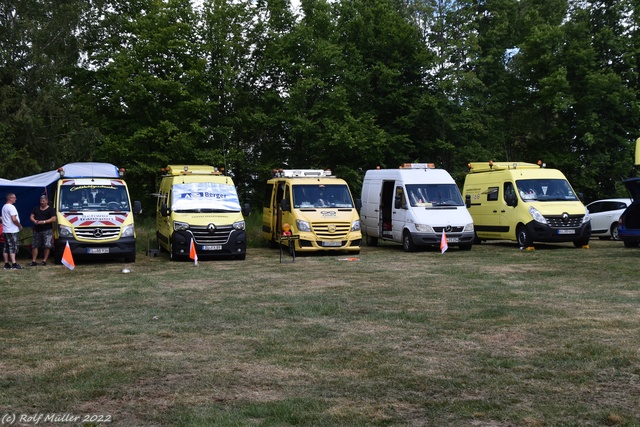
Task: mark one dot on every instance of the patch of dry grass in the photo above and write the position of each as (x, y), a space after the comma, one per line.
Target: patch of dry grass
(490, 337)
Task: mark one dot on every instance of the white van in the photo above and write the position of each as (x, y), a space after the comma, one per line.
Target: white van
(414, 205)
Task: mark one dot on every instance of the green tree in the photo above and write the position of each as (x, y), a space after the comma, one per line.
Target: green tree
(39, 129)
(142, 85)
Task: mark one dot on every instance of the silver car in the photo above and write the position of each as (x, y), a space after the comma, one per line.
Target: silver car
(604, 217)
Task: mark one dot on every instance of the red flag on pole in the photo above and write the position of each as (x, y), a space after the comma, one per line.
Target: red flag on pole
(67, 258)
(443, 243)
(192, 253)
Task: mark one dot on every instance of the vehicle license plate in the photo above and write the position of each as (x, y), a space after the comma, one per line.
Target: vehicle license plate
(331, 243)
(212, 248)
(453, 239)
(567, 231)
(97, 250)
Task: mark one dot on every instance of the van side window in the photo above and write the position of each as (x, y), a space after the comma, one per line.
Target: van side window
(400, 201)
(287, 195)
(279, 192)
(510, 194)
(266, 202)
(492, 194)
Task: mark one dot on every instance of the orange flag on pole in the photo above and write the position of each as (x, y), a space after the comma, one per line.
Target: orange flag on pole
(67, 258)
(443, 243)
(192, 253)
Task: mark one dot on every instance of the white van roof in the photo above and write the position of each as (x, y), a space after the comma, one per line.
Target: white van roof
(411, 176)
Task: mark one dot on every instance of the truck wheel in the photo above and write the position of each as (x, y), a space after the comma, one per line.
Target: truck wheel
(580, 243)
(465, 247)
(524, 240)
(407, 242)
(614, 231)
(372, 241)
(131, 258)
(241, 257)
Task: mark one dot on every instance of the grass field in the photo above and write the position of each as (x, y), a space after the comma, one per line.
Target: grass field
(494, 336)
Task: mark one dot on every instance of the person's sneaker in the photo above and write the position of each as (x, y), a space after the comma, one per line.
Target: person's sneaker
(43, 263)
(7, 266)
(33, 264)
(16, 267)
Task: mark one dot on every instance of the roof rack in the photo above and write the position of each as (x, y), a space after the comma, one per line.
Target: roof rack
(302, 173)
(190, 170)
(490, 166)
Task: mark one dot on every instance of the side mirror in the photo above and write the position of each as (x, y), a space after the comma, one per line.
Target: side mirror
(581, 197)
(137, 207)
(164, 210)
(285, 205)
(467, 201)
(246, 209)
(358, 205)
(512, 200)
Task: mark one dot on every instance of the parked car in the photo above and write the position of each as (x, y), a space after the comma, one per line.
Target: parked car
(629, 222)
(605, 215)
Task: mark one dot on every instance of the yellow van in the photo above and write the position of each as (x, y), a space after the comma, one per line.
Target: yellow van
(524, 202)
(317, 207)
(94, 213)
(199, 203)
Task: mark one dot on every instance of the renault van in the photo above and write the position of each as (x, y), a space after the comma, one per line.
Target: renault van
(414, 205)
(198, 203)
(524, 202)
(318, 208)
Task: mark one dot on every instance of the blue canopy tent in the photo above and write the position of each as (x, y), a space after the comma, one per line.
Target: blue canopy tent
(29, 189)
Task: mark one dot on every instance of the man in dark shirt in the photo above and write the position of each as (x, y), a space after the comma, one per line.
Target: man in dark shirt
(42, 217)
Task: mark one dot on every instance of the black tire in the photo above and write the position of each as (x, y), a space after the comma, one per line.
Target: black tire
(631, 244)
(129, 259)
(372, 241)
(580, 243)
(241, 257)
(407, 242)
(465, 247)
(524, 240)
(614, 231)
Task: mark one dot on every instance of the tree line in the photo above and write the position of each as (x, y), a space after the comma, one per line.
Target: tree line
(348, 85)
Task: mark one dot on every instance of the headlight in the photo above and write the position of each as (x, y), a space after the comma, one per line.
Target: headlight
(586, 218)
(537, 216)
(302, 225)
(356, 225)
(238, 225)
(468, 227)
(65, 231)
(424, 228)
(128, 231)
(180, 226)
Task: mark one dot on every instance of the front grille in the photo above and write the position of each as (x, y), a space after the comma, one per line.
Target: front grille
(219, 236)
(97, 233)
(572, 222)
(322, 229)
(453, 229)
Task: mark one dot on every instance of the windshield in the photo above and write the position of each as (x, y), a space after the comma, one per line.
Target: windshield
(434, 195)
(204, 197)
(545, 190)
(107, 197)
(321, 196)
